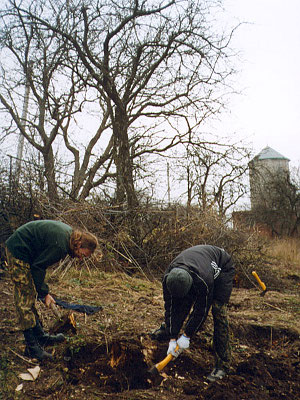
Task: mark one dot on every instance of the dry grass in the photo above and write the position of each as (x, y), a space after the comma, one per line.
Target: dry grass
(275, 309)
(286, 255)
(263, 334)
(286, 250)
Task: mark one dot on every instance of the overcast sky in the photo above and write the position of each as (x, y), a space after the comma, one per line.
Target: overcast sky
(268, 112)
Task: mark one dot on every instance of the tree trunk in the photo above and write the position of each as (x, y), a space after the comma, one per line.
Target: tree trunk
(50, 176)
(125, 191)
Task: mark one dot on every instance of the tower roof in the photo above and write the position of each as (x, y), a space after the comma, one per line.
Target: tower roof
(268, 153)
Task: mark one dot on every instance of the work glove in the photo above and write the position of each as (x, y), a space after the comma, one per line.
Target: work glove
(172, 347)
(183, 342)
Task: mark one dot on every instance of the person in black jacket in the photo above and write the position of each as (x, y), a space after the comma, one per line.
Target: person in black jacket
(198, 279)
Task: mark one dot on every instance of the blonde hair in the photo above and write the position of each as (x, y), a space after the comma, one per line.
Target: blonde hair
(81, 239)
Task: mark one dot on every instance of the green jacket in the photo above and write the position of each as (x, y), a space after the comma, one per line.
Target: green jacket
(41, 244)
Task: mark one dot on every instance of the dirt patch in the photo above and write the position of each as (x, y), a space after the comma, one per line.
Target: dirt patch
(111, 353)
(121, 369)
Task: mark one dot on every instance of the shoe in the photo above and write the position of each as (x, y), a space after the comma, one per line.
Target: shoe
(216, 374)
(33, 348)
(160, 334)
(44, 339)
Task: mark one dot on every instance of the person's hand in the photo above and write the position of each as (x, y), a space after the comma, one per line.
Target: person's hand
(48, 300)
(172, 347)
(183, 342)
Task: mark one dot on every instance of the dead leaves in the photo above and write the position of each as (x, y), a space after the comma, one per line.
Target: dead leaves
(31, 375)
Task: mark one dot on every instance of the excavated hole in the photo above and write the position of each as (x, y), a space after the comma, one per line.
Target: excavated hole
(123, 365)
(117, 368)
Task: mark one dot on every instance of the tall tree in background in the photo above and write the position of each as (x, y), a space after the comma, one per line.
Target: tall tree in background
(36, 56)
(160, 61)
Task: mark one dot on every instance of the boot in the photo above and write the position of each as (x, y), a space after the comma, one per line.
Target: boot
(160, 334)
(43, 338)
(33, 349)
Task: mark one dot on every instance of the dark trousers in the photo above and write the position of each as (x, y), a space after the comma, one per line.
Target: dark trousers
(221, 341)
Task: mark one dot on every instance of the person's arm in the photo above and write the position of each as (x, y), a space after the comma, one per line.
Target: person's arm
(197, 318)
(48, 257)
(172, 319)
(200, 309)
(38, 276)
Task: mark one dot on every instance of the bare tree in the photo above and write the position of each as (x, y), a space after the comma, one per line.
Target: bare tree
(149, 61)
(215, 175)
(58, 93)
(278, 207)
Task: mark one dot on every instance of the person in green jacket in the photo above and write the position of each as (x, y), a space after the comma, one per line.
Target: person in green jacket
(30, 250)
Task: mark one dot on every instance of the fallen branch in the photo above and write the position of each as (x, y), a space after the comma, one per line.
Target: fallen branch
(276, 308)
(22, 358)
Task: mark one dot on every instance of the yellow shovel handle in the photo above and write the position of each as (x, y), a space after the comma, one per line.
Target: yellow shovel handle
(261, 284)
(165, 361)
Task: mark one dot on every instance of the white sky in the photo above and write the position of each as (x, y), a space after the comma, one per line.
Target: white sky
(268, 111)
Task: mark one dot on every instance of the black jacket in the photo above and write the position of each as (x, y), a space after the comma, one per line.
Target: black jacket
(212, 271)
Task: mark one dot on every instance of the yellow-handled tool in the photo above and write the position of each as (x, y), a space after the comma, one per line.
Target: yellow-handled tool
(261, 284)
(156, 369)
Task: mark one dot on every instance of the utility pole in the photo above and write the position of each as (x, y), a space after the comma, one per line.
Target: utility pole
(23, 118)
(168, 179)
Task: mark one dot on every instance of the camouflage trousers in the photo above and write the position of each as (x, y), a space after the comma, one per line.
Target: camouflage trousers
(221, 341)
(24, 291)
